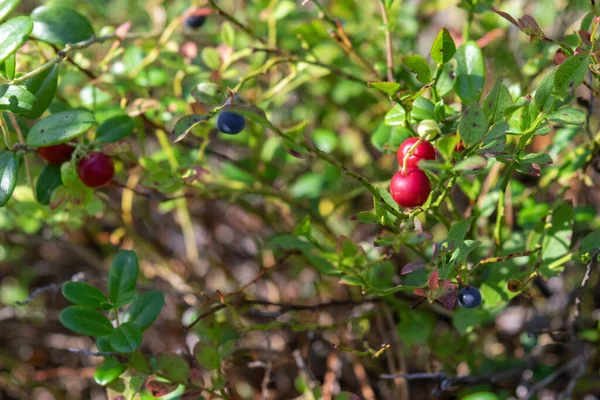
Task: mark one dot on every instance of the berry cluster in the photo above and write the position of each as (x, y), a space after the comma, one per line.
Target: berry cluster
(410, 187)
(95, 169)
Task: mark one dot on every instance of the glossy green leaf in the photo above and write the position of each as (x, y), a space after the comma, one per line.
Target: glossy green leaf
(496, 102)
(60, 128)
(389, 134)
(122, 277)
(115, 129)
(417, 64)
(470, 164)
(389, 88)
(443, 47)
(173, 368)
(13, 34)
(9, 169)
(8, 69)
(537, 158)
(108, 371)
(47, 182)
(145, 309)
(60, 25)
(84, 294)
(43, 86)
(557, 241)
(85, 321)
(571, 72)
(185, 124)
(473, 125)
(6, 6)
(125, 338)
(16, 99)
(103, 345)
(470, 72)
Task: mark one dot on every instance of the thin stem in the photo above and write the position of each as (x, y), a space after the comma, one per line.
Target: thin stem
(500, 211)
(15, 125)
(388, 41)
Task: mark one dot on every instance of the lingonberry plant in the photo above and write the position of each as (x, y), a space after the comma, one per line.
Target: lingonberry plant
(404, 205)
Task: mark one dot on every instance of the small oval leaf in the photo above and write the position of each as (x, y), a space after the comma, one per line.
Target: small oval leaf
(84, 294)
(145, 309)
(108, 371)
(115, 129)
(13, 33)
(59, 128)
(85, 321)
(122, 277)
(43, 86)
(60, 25)
(16, 99)
(125, 338)
(9, 168)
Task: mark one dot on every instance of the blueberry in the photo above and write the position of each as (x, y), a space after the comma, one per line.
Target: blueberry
(469, 297)
(195, 21)
(230, 123)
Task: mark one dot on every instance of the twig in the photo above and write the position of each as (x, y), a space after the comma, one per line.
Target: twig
(583, 366)
(54, 287)
(285, 307)
(388, 42)
(92, 353)
(550, 378)
(447, 383)
(586, 278)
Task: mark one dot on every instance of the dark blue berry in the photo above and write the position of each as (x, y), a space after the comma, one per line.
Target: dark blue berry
(469, 297)
(230, 123)
(195, 21)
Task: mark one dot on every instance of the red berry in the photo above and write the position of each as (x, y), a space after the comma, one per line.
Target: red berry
(411, 189)
(423, 151)
(56, 154)
(96, 169)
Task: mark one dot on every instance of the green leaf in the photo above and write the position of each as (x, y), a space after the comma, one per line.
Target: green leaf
(16, 99)
(470, 72)
(211, 57)
(173, 368)
(6, 6)
(103, 345)
(83, 294)
(557, 241)
(125, 338)
(122, 277)
(85, 321)
(49, 179)
(9, 67)
(447, 79)
(473, 125)
(537, 158)
(415, 327)
(590, 242)
(287, 242)
(185, 124)
(443, 47)
(496, 102)
(115, 129)
(470, 164)
(389, 134)
(351, 281)
(417, 64)
(145, 309)
(9, 169)
(227, 34)
(568, 115)
(60, 25)
(207, 356)
(13, 34)
(571, 72)
(495, 139)
(59, 128)
(43, 86)
(389, 88)
(458, 231)
(108, 371)
(543, 98)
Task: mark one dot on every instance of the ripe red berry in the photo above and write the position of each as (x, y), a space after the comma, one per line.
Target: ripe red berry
(423, 151)
(56, 154)
(411, 189)
(96, 169)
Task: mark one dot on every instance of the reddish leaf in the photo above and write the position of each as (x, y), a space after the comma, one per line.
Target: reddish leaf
(412, 266)
(433, 282)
